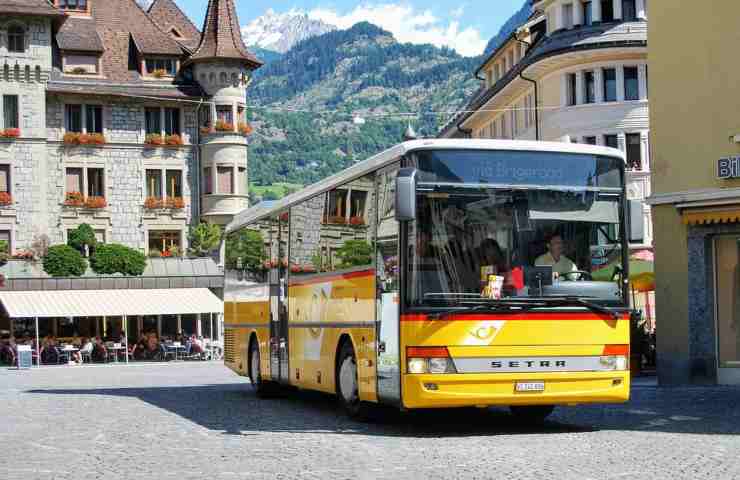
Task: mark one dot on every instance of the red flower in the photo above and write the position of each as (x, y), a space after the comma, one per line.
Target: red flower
(5, 199)
(10, 133)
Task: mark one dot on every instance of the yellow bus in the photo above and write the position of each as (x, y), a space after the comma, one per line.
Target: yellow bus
(437, 274)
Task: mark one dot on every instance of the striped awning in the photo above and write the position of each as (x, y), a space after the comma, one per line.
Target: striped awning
(707, 216)
(109, 303)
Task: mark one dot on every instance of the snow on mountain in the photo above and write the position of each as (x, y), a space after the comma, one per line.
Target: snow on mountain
(280, 31)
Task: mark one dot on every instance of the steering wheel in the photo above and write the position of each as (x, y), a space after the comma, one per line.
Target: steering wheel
(583, 276)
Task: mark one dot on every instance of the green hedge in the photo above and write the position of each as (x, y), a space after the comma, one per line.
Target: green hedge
(114, 258)
(81, 236)
(64, 261)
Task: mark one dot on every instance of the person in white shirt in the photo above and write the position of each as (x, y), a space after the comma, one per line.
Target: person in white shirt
(561, 265)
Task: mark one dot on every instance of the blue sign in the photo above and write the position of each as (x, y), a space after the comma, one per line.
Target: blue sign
(25, 357)
(728, 167)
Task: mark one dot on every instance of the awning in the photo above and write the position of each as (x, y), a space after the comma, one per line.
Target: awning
(109, 303)
(706, 216)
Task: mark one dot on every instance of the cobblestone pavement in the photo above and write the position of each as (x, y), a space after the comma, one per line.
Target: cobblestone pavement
(198, 420)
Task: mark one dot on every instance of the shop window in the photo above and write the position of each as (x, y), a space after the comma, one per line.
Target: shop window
(154, 183)
(225, 179)
(10, 111)
(631, 84)
(16, 39)
(610, 85)
(174, 183)
(607, 11)
(73, 118)
(629, 10)
(172, 121)
(589, 87)
(634, 151)
(153, 121)
(163, 240)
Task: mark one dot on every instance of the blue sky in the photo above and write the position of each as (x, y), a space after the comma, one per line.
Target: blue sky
(465, 26)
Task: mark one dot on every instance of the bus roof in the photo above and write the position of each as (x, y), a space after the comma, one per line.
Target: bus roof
(396, 152)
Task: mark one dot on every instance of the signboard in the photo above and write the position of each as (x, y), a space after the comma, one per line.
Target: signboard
(24, 356)
(728, 167)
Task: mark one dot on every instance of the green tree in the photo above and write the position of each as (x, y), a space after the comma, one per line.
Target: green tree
(270, 195)
(355, 253)
(64, 261)
(247, 246)
(81, 236)
(114, 258)
(204, 239)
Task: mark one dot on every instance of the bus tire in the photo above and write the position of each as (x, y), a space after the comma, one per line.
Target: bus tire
(263, 389)
(348, 391)
(532, 414)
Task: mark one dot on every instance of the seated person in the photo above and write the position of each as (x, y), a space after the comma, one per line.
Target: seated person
(152, 350)
(49, 351)
(86, 347)
(99, 351)
(561, 265)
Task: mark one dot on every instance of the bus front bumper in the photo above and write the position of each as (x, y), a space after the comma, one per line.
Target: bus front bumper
(489, 389)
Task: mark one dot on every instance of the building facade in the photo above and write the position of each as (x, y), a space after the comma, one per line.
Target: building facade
(576, 71)
(696, 190)
(131, 121)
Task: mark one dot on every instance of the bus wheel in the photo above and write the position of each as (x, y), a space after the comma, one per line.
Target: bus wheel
(262, 388)
(348, 390)
(532, 414)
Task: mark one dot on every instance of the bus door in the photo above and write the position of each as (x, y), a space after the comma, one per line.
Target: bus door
(279, 299)
(387, 267)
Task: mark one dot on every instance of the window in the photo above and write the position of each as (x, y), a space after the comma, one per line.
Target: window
(16, 39)
(172, 121)
(243, 183)
(497, 71)
(571, 89)
(73, 181)
(174, 183)
(95, 182)
(5, 241)
(589, 140)
(80, 64)
(511, 58)
(634, 152)
(207, 181)
(357, 205)
(631, 85)
(607, 11)
(589, 87)
(73, 116)
(611, 141)
(568, 15)
(489, 78)
(161, 66)
(80, 5)
(94, 118)
(225, 179)
(163, 240)
(629, 10)
(588, 18)
(5, 178)
(336, 211)
(205, 117)
(241, 114)
(224, 113)
(154, 183)
(10, 111)
(153, 121)
(610, 85)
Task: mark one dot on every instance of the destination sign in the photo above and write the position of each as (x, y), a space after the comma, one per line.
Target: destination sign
(728, 167)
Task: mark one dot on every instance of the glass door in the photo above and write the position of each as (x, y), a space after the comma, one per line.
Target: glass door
(727, 267)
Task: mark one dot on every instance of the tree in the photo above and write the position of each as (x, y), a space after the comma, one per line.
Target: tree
(81, 236)
(64, 261)
(114, 258)
(270, 195)
(204, 239)
(245, 248)
(355, 253)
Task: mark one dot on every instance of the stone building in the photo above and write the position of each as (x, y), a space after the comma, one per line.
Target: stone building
(131, 121)
(575, 71)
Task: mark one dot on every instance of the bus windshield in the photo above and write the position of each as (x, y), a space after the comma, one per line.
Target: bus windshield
(558, 237)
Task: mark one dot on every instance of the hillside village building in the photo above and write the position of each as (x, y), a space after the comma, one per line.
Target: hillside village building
(576, 71)
(128, 120)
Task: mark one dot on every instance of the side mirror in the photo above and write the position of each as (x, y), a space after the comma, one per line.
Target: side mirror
(636, 221)
(406, 195)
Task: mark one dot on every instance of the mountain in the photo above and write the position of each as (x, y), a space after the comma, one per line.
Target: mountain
(280, 31)
(304, 103)
(509, 26)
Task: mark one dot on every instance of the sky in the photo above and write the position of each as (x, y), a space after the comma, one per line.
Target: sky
(465, 26)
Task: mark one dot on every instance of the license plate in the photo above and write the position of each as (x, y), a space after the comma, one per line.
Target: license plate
(530, 386)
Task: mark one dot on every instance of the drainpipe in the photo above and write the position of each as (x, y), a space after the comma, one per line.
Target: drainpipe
(195, 199)
(536, 95)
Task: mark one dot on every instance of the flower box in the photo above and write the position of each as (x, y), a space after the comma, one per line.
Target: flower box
(245, 129)
(337, 220)
(296, 269)
(166, 254)
(173, 140)
(356, 221)
(95, 202)
(10, 133)
(154, 139)
(222, 126)
(5, 199)
(175, 203)
(152, 203)
(75, 138)
(74, 199)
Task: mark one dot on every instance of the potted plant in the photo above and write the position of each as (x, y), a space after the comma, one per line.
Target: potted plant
(222, 126)
(245, 129)
(10, 133)
(71, 138)
(153, 139)
(175, 203)
(173, 140)
(74, 199)
(5, 199)
(95, 202)
(94, 139)
(152, 203)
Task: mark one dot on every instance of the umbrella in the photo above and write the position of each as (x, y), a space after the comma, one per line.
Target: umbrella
(637, 267)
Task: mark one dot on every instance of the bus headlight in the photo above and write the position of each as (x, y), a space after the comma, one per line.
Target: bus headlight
(429, 360)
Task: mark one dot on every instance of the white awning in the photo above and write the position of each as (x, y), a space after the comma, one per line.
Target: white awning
(110, 303)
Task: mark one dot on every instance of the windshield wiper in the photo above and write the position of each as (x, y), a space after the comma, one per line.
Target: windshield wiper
(490, 305)
(566, 301)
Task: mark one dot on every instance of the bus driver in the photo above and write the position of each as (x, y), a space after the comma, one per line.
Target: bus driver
(561, 265)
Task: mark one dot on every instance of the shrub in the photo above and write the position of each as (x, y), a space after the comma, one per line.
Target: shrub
(204, 239)
(64, 261)
(173, 140)
(74, 199)
(81, 236)
(153, 139)
(355, 253)
(5, 199)
(246, 249)
(114, 258)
